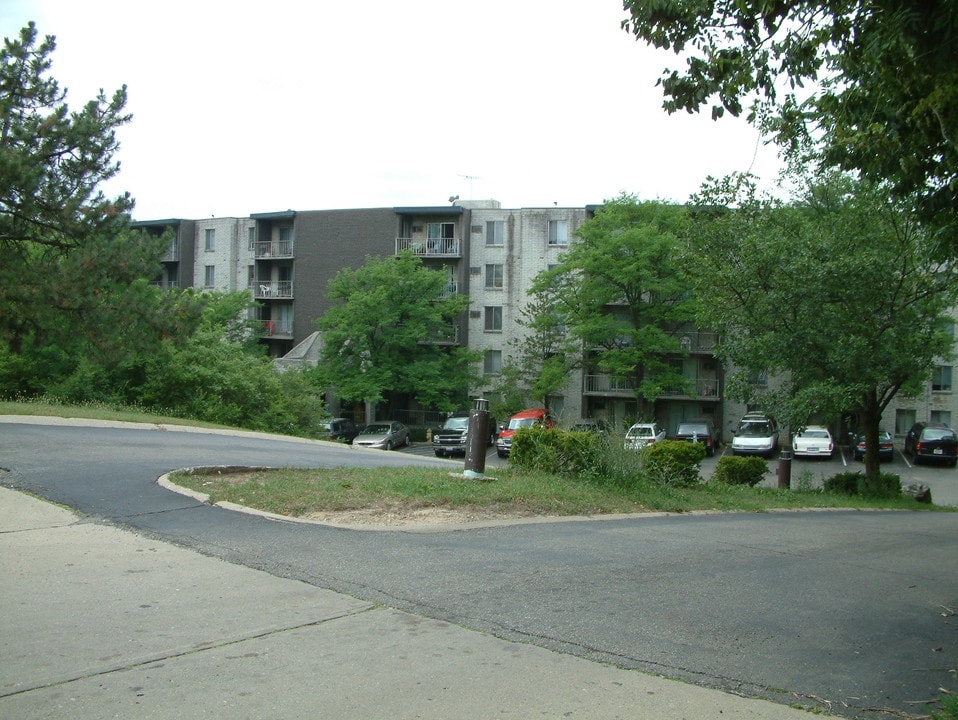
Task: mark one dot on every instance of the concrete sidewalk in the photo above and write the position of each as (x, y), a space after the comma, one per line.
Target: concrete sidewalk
(98, 622)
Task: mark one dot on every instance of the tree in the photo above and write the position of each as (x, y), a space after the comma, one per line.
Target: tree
(840, 291)
(619, 291)
(389, 331)
(545, 355)
(73, 277)
(880, 80)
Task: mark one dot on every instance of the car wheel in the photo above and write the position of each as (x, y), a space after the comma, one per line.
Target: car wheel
(389, 445)
(438, 453)
(408, 441)
(500, 454)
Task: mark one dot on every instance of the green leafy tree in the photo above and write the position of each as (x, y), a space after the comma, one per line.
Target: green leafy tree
(73, 277)
(544, 355)
(619, 290)
(839, 291)
(878, 79)
(388, 333)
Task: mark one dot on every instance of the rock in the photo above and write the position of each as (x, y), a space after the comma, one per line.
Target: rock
(917, 490)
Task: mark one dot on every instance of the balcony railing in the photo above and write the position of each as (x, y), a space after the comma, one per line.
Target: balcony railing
(172, 252)
(436, 247)
(696, 341)
(277, 329)
(267, 289)
(450, 290)
(447, 335)
(609, 385)
(273, 249)
(701, 389)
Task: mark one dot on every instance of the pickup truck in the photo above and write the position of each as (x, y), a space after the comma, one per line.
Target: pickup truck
(451, 438)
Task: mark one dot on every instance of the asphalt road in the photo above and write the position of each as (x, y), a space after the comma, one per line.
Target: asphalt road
(850, 611)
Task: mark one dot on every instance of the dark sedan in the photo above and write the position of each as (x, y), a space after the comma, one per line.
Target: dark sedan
(698, 430)
(886, 445)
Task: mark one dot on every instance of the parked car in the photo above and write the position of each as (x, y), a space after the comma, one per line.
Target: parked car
(531, 417)
(813, 441)
(341, 429)
(698, 430)
(451, 438)
(886, 445)
(642, 434)
(757, 434)
(932, 441)
(383, 435)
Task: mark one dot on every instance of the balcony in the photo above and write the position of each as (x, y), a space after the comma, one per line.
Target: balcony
(172, 253)
(700, 389)
(696, 341)
(268, 249)
(270, 290)
(448, 335)
(433, 247)
(273, 329)
(608, 385)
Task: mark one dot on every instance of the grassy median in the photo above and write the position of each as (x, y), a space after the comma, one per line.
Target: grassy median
(300, 493)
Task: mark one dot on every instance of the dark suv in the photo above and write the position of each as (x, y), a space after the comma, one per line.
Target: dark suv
(932, 441)
(341, 430)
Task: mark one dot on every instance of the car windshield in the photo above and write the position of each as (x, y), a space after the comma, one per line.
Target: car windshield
(376, 430)
(516, 423)
(640, 432)
(814, 434)
(456, 424)
(938, 434)
(755, 429)
(689, 429)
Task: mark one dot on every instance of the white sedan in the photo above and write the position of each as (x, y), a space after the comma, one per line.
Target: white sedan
(813, 441)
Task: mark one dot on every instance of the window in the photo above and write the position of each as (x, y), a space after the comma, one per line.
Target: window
(495, 232)
(251, 238)
(941, 416)
(492, 362)
(210, 279)
(250, 276)
(494, 318)
(904, 419)
(210, 240)
(558, 232)
(494, 276)
(941, 379)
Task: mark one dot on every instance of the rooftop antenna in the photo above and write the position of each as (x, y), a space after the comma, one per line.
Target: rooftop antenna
(470, 178)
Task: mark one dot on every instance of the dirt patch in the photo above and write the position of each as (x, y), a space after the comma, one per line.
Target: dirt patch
(399, 516)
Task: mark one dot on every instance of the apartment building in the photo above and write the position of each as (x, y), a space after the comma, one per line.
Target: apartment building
(492, 254)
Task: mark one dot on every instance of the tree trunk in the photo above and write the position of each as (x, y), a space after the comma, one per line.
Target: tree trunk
(871, 419)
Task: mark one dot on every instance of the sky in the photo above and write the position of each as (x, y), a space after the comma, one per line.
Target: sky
(243, 107)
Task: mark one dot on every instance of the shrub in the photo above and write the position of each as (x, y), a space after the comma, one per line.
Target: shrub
(888, 485)
(672, 463)
(734, 470)
(556, 451)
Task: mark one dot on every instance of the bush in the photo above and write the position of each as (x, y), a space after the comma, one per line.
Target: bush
(855, 483)
(556, 451)
(672, 463)
(734, 470)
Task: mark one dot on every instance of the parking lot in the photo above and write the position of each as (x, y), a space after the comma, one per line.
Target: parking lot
(804, 472)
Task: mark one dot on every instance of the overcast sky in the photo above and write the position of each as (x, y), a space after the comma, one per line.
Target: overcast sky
(246, 107)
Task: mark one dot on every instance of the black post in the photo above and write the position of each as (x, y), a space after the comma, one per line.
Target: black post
(785, 469)
(476, 439)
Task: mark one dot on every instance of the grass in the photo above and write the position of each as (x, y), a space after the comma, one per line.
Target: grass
(299, 492)
(96, 411)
